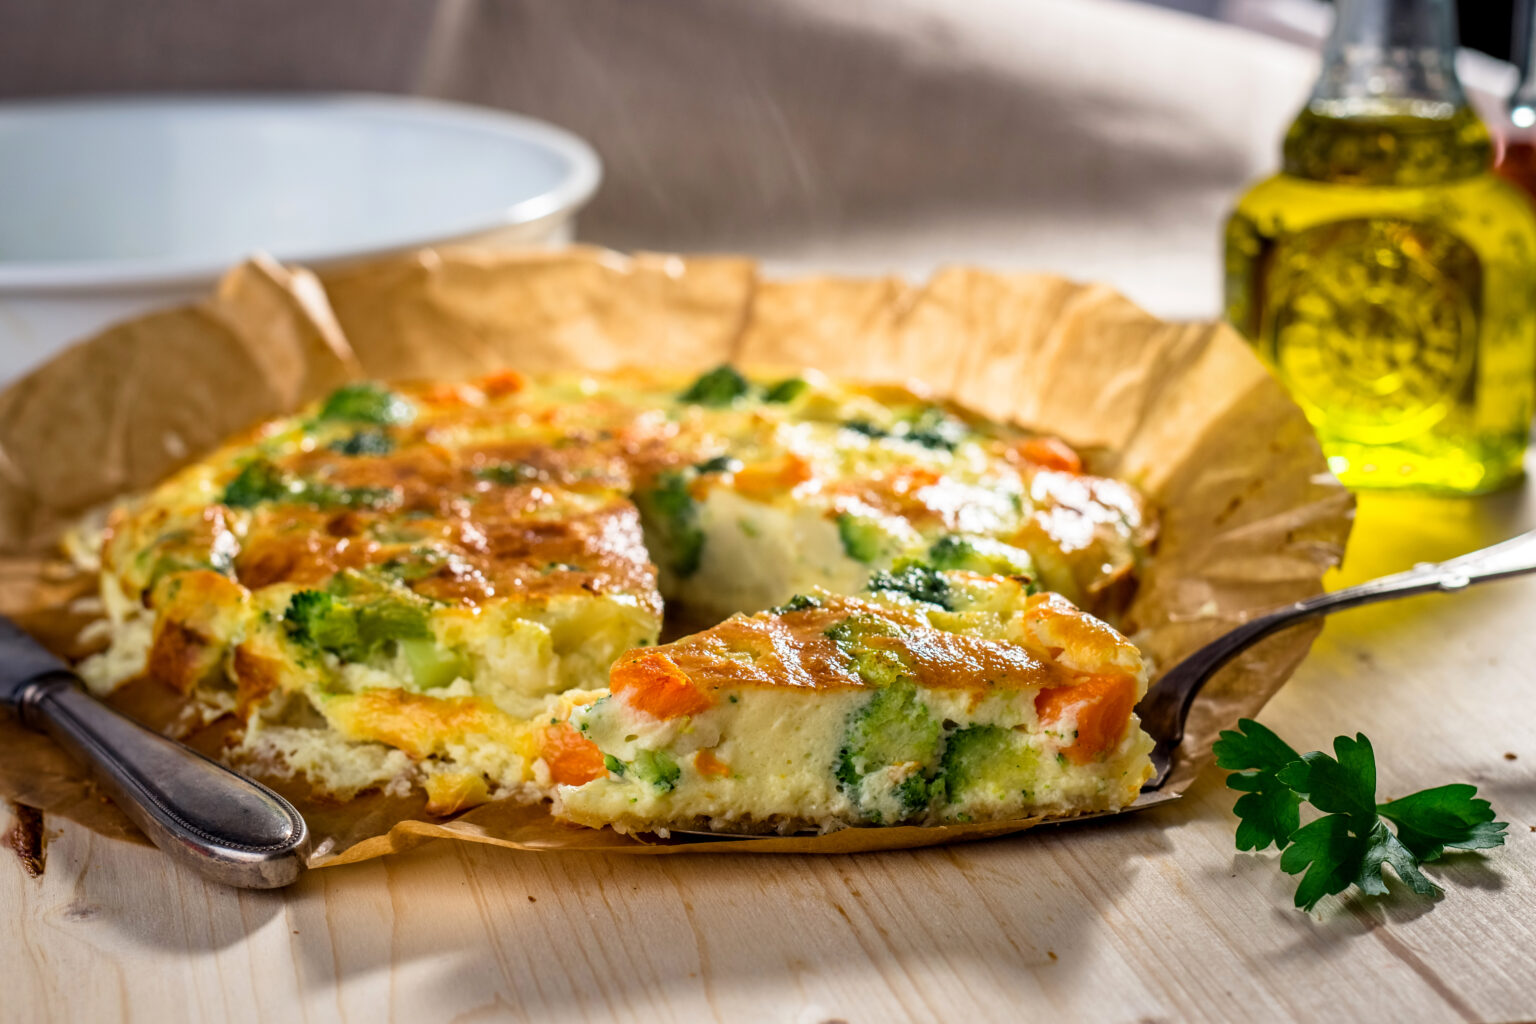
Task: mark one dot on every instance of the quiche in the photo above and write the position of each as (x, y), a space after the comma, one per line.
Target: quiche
(937, 697)
(427, 585)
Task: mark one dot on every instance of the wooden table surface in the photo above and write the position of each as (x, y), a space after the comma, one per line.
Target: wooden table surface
(1149, 917)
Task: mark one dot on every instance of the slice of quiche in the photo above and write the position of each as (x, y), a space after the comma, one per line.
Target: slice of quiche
(936, 697)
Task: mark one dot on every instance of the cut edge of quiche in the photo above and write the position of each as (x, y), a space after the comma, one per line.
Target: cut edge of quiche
(936, 698)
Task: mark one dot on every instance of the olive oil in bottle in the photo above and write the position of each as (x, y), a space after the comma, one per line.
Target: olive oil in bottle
(1386, 275)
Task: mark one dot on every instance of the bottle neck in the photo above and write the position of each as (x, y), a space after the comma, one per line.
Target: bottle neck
(1388, 109)
(1522, 105)
(1390, 57)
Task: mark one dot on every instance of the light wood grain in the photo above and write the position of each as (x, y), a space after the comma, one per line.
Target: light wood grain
(1152, 917)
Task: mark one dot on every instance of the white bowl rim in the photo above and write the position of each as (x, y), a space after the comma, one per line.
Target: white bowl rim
(134, 274)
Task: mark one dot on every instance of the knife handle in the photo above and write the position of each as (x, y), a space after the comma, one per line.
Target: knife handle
(227, 827)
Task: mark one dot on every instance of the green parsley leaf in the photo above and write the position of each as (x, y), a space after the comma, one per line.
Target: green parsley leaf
(1345, 786)
(1351, 842)
(1382, 847)
(1269, 810)
(1328, 853)
(1432, 821)
(1349, 845)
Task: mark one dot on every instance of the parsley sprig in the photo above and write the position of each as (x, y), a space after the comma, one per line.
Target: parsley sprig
(1352, 841)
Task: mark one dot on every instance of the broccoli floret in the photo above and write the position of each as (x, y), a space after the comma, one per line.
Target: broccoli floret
(329, 496)
(934, 428)
(508, 473)
(953, 552)
(356, 621)
(918, 582)
(259, 481)
(674, 517)
(432, 666)
(657, 768)
(868, 429)
(798, 603)
(366, 441)
(387, 618)
(877, 665)
(416, 564)
(366, 402)
(785, 390)
(986, 756)
(719, 464)
(614, 765)
(319, 619)
(719, 387)
(863, 539)
(893, 728)
(986, 556)
(856, 629)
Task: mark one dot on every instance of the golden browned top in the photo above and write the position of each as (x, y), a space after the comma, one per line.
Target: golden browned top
(843, 642)
(401, 537)
(473, 490)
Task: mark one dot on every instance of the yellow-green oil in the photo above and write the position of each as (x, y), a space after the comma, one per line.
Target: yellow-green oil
(1389, 278)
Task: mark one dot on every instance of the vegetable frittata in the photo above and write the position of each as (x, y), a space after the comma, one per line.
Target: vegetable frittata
(426, 585)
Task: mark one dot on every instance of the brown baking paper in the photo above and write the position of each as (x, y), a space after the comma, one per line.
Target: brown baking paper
(1250, 517)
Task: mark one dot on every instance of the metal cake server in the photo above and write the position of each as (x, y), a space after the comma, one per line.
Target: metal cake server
(1165, 708)
(218, 822)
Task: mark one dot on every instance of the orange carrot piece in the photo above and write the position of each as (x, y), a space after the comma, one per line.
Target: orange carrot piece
(447, 396)
(1049, 453)
(652, 683)
(503, 382)
(766, 479)
(910, 479)
(1103, 705)
(572, 758)
(706, 763)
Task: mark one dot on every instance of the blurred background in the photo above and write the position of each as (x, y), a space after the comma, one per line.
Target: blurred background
(1104, 139)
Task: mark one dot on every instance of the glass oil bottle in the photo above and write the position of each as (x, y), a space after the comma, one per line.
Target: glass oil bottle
(1385, 274)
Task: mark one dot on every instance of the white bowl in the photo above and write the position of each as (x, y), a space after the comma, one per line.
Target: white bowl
(111, 206)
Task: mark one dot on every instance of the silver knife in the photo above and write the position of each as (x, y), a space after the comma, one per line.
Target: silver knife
(226, 826)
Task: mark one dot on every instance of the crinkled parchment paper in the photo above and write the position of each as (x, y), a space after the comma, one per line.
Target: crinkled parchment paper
(1250, 517)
